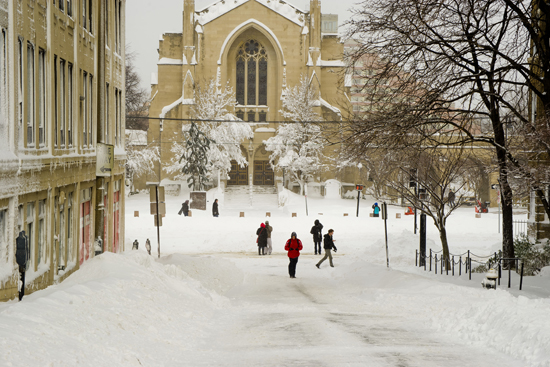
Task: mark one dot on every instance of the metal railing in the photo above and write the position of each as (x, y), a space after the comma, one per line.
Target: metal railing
(457, 262)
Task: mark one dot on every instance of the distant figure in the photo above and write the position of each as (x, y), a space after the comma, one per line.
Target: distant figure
(317, 232)
(215, 211)
(184, 208)
(328, 245)
(269, 230)
(451, 198)
(376, 210)
(262, 239)
(22, 257)
(293, 246)
(135, 245)
(148, 246)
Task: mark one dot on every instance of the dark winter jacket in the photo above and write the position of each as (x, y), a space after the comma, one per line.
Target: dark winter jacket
(184, 208)
(262, 236)
(215, 209)
(328, 244)
(317, 232)
(293, 246)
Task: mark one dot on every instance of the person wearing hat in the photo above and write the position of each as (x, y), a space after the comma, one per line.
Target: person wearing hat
(293, 246)
(376, 210)
(269, 230)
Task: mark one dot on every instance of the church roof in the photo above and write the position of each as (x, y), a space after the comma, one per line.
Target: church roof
(222, 7)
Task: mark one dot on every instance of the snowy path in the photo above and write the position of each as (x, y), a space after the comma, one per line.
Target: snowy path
(316, 320)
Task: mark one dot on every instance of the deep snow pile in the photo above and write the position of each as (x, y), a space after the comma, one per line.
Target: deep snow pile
(132, 309)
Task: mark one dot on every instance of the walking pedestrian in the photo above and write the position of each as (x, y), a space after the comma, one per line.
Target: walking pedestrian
(328, 245)
(451, 198)
(135, 245)
(215, 212)
(22, 257)
(262, 239)
(184, 208)
(269, 230)
(293, 246)
(376, 210)
(148, 246)
(317, 232)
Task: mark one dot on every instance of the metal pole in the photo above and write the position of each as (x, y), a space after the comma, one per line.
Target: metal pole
(509, 276)
(430, 259)
(453, 265)
(158, 216)
(422, 236)
(385, 207)
(521, 276)
(358, 197)
(416, 258)
(436, 263)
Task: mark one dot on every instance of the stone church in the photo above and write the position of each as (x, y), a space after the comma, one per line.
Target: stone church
(259, 47)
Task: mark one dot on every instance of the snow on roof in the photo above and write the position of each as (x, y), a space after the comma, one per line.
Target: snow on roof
(222, 7)
(168, 108)
(169, 61)
(154, 78)
(136, 137)
(329, 106)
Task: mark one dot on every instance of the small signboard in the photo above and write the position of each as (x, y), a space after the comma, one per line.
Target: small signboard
(359, 187)
(153, 194)
(198, 200)
(162, 208)
(105, 160)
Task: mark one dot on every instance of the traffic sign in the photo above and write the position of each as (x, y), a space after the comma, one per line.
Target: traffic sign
(105, 160)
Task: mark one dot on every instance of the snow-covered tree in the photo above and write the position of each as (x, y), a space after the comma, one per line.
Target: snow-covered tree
(298, 145)
(194, 158)
(212, 109)
(140, 157)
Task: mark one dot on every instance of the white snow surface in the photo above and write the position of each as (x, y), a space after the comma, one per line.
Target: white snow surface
(210, 300)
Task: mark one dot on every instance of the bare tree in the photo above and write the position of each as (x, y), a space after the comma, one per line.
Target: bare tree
(454, 67)
(137, 98)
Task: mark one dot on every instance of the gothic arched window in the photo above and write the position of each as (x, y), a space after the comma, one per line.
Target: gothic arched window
(252, 74)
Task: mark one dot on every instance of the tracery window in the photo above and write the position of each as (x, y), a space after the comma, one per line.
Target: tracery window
(251, 74)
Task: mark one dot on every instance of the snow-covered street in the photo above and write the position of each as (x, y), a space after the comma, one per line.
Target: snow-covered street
(210, 300)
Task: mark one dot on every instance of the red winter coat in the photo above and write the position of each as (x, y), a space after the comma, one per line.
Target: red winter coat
(293, 246)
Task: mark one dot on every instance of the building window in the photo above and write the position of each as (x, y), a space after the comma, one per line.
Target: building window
(251, 74)
(262, 116)
(70, 8)
(3, 89)
(90, 13)
(118, 21)
(90, 110)
(251, 116)
(56, 99)
(4, 249)
(84, 18)
(62, 5)
(70, 104)
(20, 94)
(71, 254)
(107, 114)
(41, 97)
(84, 102)
(240, 115)
(62, 102)
(107, 40)
(30, 95)
(87, 12)
(117, 117)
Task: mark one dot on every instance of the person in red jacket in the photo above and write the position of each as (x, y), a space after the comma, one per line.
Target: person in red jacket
(293, 246)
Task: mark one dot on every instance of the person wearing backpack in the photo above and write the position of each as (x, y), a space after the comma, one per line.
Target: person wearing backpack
(317, 232)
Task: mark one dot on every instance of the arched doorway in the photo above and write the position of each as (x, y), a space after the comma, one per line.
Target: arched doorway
(263, 173)
(238, 175)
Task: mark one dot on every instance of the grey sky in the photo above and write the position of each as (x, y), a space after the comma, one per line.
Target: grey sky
(147, 20)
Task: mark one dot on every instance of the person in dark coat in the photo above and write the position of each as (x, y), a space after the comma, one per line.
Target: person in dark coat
(293, 246)
(215, 212)
(262, 239)
(328, 245)
(451, 198)
(317, 232)
(184, 208)
(376, 210)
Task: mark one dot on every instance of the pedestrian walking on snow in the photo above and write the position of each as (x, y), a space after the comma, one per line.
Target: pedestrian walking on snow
(376, 210)
(269, 229)
(148, 246)
(328, 245)
(184, 208)
(262, 239)
(317, 232)
(293, 246)
(451, 198)
(215, 212)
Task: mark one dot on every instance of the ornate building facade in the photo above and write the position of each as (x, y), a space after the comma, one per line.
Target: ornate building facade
(259, 47)
(61, 97)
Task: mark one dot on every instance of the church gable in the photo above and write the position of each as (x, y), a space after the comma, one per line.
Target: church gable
(223, 7)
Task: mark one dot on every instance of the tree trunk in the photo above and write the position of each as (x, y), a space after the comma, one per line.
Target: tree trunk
(507, 214)
(444, 245)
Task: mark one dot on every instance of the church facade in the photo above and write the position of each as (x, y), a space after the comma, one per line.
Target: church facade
(259, 47)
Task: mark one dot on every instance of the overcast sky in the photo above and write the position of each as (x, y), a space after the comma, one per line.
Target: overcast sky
(147, 20)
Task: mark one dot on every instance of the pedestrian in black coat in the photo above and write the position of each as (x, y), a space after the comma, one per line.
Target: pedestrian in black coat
(329, 246)
(215, 212)
(317, 232)
(262, 239)
(184, 208)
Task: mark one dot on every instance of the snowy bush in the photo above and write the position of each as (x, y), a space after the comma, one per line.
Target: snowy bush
(534, 256)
